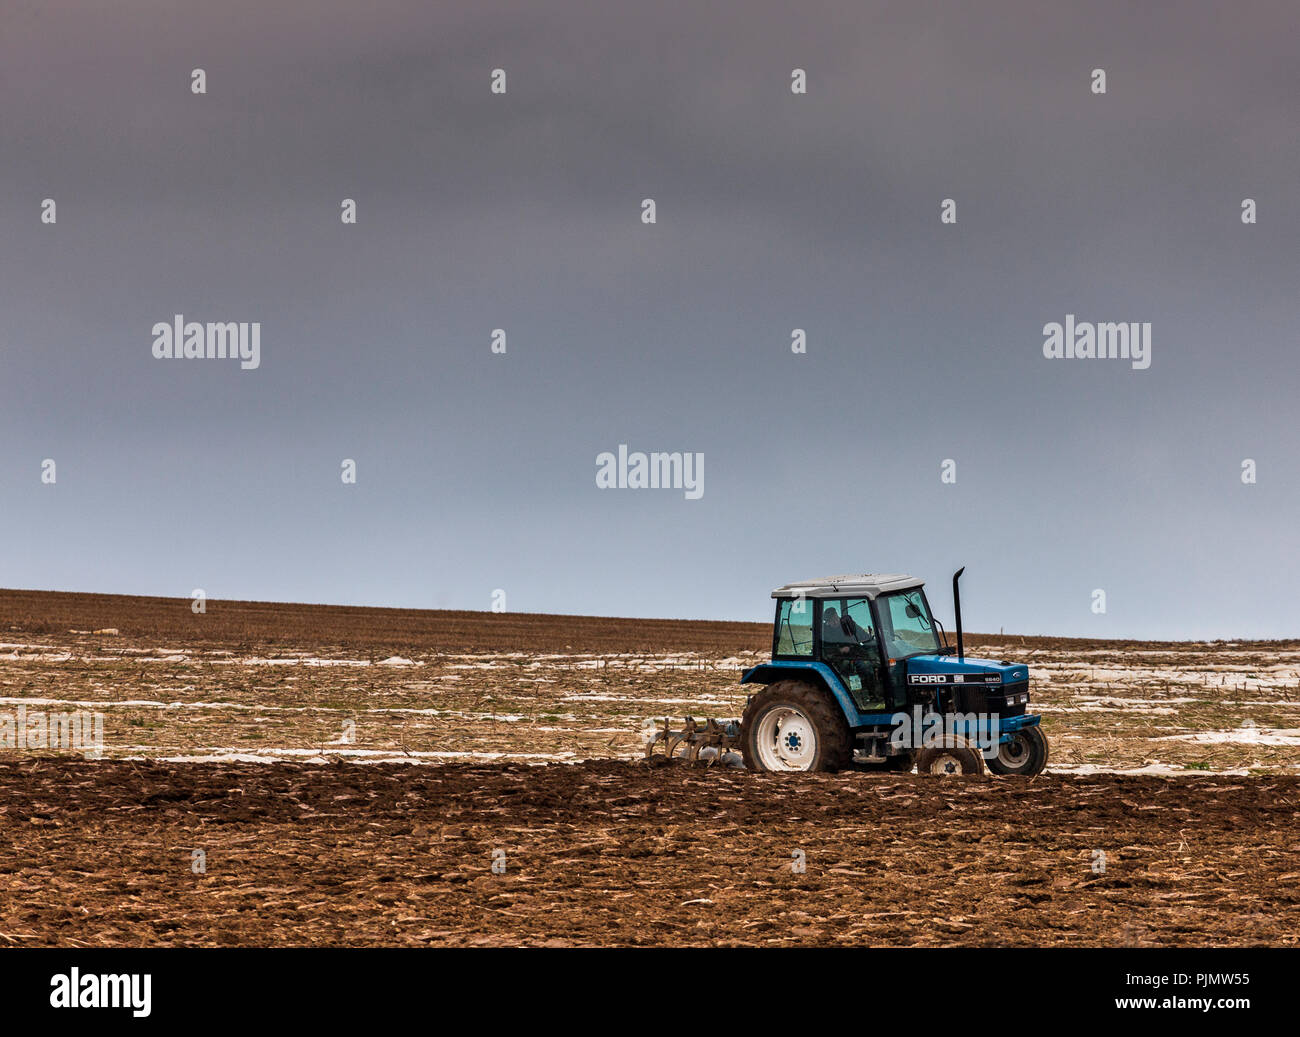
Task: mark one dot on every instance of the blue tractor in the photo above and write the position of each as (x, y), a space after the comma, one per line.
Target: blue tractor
(862, 676)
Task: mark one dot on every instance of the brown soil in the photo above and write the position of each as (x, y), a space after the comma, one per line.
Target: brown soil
(99, 853)
(383, 631)
(253, 623)
(611, 852)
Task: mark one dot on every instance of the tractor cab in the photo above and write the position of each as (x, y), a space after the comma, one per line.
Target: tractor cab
(864, 634)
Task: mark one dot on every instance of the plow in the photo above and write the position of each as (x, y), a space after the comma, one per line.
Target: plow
(708, 743)
(862, 676)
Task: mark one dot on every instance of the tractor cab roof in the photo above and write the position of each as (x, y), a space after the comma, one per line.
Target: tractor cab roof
(864, 585)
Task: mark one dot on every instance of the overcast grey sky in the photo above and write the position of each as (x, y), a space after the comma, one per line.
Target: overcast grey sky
(775, 211)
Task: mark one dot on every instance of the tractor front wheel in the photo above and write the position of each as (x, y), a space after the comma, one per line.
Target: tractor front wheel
(793, 726)
(957, 760)
(1025, 754)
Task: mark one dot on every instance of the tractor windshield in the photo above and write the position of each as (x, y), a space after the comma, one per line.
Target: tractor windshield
(906, 624)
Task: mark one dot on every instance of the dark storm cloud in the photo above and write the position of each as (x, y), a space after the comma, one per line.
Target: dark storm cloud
(775, 211)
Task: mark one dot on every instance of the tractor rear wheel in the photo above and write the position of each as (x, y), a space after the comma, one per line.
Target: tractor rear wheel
(1025, 754)
(793, 726)
(957, 760)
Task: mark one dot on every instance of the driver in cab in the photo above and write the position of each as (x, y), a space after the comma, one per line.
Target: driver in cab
(840, 633)
(855, 652)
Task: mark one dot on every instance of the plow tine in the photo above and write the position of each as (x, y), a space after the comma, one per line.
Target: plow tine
(720, 736)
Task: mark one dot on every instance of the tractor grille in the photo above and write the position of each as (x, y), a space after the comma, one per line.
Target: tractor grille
(1014, 699)
(1008, 700)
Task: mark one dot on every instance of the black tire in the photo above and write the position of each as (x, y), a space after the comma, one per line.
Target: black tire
(958, 760)
(1025, 756)
(833, 750)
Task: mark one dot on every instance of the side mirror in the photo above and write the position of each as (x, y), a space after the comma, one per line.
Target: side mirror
(913, 612)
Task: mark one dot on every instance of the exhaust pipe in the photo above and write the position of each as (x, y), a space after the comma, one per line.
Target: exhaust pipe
(956, 605)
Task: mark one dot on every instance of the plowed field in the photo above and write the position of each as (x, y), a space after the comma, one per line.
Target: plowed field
(281, 774)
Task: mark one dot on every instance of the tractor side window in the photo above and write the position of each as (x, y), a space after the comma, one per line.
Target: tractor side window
(847, 622)
(794, 627)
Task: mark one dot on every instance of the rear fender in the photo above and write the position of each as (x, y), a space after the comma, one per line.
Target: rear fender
(819, 675)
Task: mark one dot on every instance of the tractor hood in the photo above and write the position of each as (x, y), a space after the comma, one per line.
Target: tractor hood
(947, 669)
